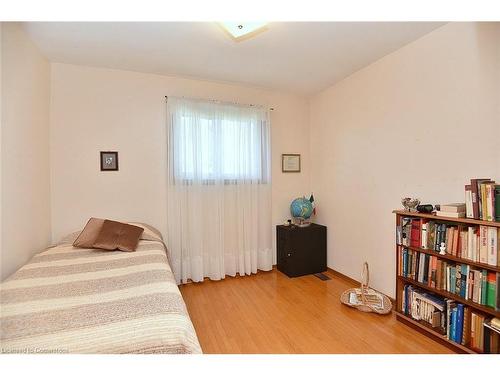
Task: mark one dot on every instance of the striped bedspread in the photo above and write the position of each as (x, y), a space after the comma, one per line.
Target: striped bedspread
(70, 300)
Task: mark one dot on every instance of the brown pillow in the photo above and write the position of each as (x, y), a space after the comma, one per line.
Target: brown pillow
(118, 236)
(89, 234)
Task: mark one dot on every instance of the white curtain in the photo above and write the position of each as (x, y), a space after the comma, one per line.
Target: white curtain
(219, 189)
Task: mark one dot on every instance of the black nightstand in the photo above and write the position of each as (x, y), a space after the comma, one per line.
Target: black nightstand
(301, 250)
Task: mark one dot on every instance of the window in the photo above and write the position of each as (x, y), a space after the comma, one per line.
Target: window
(211, 142)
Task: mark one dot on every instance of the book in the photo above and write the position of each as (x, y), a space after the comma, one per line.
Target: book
(496, 199)
(425, 278)
(431, 235)
(486, 200)
(458, 279)
(492, 246)
(495, 322)
(464, 285)
(433, 272)
(453, 207)
(455, 215)
(470, 243)
(476, 295)
(459, 323)
(423, 234)
(454, 248)
(470, 282)
(415, 233)
(463, 243)
(440, 236)
(483, 289)
(439, 274)
(483, 244)
(497, 304)
(482, 199)
(453, 281)
(466, 326)
(405, 231)
(490, 207)
(453, 327)
(491, 289)
(476, 204)
(469, 212)
(449, 239)
(477, 332)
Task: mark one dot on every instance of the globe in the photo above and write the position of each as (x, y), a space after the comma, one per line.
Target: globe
(301, 208)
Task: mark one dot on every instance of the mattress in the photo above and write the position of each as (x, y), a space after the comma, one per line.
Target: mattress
(72, 300)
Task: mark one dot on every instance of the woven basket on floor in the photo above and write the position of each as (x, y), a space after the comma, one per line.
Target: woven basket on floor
(365, 291)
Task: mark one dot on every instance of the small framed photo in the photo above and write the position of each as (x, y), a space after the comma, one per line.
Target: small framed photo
(109, 160)
(290, 163)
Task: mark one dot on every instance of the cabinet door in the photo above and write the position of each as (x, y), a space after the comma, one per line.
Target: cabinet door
(298, 252)
(308, 251)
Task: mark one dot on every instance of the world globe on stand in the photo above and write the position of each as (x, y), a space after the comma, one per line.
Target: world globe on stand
(301, 208)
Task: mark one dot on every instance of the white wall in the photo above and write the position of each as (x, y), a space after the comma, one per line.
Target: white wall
(419, 122)
(25, 187)
(96, 109)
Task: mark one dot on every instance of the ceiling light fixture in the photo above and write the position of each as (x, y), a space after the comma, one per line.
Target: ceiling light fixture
(243, 30)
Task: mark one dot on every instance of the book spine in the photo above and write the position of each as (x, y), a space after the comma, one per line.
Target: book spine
(497, 303)
(433, 278)
(484, 276)
(458, 279)
(482, 199)
(466, 329)
(405, 262)
(496, 195)
(498, 247)
(423, 234)
(468, 202)
(470, 243)
(490, 215)
(475, 199)
(483, 247)
(453, 281)
(453, 324)
(415, 233)
(464, 274)
(460, 323)
(491, 290)
(492, 246)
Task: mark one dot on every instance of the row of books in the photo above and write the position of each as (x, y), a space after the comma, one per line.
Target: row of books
(482, 199)
(476, 243)
(456, 321)
(477, 285)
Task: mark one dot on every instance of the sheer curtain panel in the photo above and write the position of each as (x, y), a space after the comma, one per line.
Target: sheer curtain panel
(219, 189)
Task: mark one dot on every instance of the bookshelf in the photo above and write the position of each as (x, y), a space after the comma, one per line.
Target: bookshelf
(401, 281)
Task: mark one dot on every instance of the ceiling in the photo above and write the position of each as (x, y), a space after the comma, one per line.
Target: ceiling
(300, 57)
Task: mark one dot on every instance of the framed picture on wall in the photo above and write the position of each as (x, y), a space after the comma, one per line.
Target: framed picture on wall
(109, 160)
(290, 163)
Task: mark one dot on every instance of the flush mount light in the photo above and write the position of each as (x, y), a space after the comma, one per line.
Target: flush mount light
(243, 30)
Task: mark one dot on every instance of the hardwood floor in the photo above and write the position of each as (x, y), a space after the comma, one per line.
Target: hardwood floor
(271, 313)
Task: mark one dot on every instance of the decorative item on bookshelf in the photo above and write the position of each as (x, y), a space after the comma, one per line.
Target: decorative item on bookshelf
(425, 208)
(410, 204)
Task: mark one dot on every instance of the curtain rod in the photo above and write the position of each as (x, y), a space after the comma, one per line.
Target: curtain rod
(220, 101)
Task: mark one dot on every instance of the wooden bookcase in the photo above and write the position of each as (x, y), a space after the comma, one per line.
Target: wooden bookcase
(401, 281)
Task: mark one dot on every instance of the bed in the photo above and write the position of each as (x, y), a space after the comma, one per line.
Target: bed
(78, 300)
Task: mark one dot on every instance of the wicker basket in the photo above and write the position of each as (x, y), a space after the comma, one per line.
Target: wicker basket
(370, 301)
